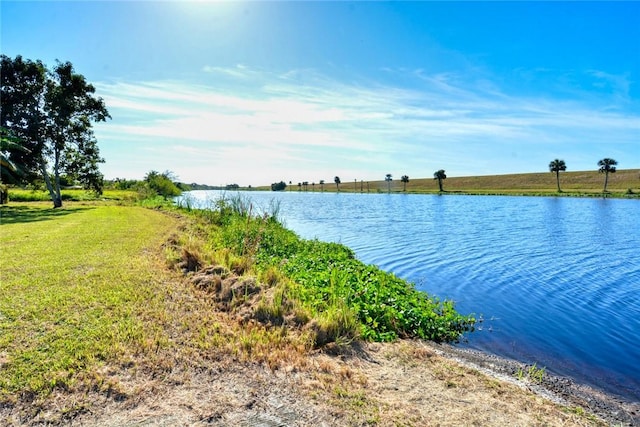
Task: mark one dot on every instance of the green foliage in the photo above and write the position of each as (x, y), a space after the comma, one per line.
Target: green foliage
(348, 298)
(531, 373)
(51, 113)
(79, 195)
(607, 166)
(161, 184)
(440, 175)
(10, 171)
(404, 179)
(388, 178)
(557, 166)
(386, 307)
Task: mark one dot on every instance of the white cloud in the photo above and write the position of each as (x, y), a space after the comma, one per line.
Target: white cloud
(300, 123)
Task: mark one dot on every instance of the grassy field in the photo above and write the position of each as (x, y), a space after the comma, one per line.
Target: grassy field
(78, 195)
(571, 183)
(73, 281)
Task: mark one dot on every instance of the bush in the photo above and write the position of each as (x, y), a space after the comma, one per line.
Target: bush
(278, 186)
(161, 184)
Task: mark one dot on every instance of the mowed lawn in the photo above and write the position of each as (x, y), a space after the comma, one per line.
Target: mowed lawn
(78, 289)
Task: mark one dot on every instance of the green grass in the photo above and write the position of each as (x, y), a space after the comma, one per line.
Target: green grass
(73, 281)
(25, 195)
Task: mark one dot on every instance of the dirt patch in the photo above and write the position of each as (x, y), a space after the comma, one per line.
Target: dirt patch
(239, 396)
(407, 382)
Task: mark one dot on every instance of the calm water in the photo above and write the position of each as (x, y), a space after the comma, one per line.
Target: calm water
(556, 280)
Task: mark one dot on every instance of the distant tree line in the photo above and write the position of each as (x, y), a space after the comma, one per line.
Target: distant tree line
(163, 184)
(605, 166)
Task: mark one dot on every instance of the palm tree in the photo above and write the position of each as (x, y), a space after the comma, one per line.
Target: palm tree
(337, 181)
(404, 179)
(322, 185)
(607, 166)
(388, 179)
(557, 166)
(440, 175)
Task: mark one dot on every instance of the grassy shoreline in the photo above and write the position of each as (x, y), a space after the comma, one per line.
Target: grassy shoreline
(100, 300)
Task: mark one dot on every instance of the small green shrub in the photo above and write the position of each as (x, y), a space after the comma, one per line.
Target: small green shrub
(532, 373)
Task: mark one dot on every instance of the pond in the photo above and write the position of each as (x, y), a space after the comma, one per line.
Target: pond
(556, 280)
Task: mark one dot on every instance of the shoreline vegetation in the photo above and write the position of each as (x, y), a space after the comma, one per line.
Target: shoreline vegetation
(116, 312)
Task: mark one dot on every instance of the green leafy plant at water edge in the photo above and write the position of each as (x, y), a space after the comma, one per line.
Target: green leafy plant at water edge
(330, 282)
(532, 373)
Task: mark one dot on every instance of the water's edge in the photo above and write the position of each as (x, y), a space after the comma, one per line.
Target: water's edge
(561, 390)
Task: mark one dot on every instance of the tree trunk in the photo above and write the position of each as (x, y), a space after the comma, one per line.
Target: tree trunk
(558, 180)
(440, 184)
(56, 175)
(55, 198)
(4, 194)
(606, 180)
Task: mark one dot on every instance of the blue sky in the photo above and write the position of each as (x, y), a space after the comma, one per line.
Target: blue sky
(257, 92)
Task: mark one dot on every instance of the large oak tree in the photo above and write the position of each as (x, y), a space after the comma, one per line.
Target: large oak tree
(51, 112)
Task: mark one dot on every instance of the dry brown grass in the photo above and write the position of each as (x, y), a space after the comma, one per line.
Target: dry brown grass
(543, 183)
(408, 383)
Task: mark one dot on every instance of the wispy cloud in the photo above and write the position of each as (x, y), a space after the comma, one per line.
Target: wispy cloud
(260, 127)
